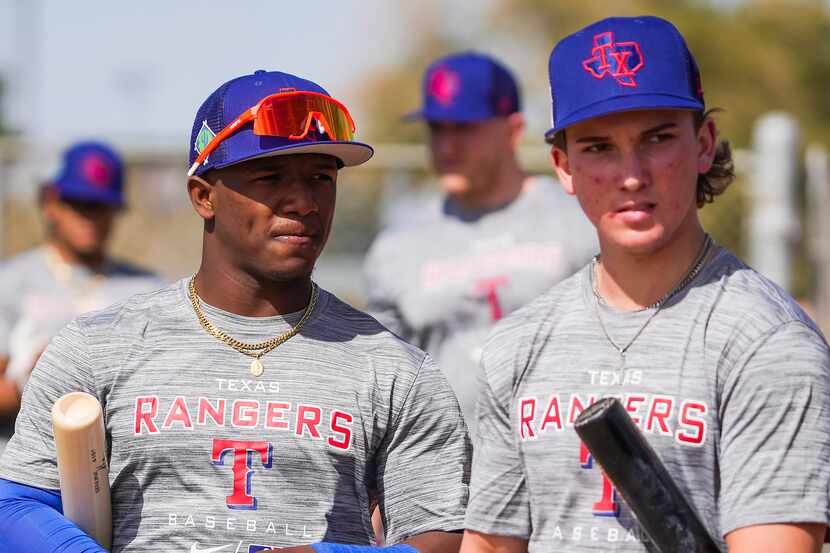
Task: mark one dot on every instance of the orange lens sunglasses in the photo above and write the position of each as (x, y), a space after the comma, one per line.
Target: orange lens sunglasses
(288, 114)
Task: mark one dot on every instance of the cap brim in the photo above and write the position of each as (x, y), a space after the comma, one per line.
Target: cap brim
(413, 116)
(349, 153)
(637, 102)
(91, 198)
(446, 116)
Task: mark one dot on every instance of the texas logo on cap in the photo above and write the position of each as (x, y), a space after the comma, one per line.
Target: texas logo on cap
(621, 64)
(96, 170)
(444, 85)
(620, 60)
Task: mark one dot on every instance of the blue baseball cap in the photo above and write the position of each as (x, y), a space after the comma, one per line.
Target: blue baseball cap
(622, 64)
(91, 172)
(466, 88)
(231, 99)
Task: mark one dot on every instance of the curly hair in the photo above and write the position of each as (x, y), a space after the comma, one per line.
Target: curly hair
(710, 184)
(722, 172)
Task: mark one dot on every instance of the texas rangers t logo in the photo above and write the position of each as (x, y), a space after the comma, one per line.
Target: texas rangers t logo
(621, 60)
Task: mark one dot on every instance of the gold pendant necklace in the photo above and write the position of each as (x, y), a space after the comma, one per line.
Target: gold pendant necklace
(258, 349)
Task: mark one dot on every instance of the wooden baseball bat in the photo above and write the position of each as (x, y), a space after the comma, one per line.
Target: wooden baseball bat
(78, 424)
(640, 477)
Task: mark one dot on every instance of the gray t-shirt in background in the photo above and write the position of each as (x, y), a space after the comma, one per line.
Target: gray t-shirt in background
(39, 295)
(204, 455)
(442, 281)
(730, 383)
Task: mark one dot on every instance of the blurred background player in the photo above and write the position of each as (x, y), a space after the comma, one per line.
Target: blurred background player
(246, 407)
(726, 376)
(43, 289)
(497, 239)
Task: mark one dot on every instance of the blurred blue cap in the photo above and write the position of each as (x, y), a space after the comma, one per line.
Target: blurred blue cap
(466, 88)
(234, 97)
(91, 172)
(622, 64)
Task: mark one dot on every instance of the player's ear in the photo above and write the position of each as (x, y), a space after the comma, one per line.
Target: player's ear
(707, 140)
(516, 124)
(562, 167)
(201, 194)
(49, 199)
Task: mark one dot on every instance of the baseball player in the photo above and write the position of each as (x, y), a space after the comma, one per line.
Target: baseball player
(45, 288)
(247, 408)
(725, 375)
(497, 239)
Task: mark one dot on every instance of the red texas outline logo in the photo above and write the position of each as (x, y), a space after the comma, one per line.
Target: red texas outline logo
(621, 60)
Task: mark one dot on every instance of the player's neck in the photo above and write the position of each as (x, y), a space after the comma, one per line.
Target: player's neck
(245, 294)
(68, 256)
(630, 280)
(505, 186)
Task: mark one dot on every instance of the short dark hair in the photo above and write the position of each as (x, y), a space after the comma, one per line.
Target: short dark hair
(710, 184)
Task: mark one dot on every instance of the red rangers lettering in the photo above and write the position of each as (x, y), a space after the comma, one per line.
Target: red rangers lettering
(178, 413)
(207, 409)
(527, 412)
(344, 439)
(308, 416)
(142, 415)
(655, 414)
(632, 405)
(552, 415)
(577, 406)
(692, 414)
(245, 413)
(659, 411)
(275, 415)
(332, 427)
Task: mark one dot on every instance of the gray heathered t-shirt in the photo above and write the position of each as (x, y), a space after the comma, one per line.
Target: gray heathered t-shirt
(730, 384)
(205, 455)
(39, 295)
(442, 282)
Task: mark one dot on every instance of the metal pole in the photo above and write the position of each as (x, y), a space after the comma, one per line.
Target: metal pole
(774, 226)
(817, 164)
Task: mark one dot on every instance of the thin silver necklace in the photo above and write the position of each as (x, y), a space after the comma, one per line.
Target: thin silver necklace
(690, 275)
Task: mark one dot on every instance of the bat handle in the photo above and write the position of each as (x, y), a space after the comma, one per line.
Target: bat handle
(78, 427)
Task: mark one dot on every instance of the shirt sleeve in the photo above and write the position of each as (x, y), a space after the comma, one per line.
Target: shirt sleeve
(64, 367)
(8, 310)
(424, 461)
(499, 500)
(775, 437)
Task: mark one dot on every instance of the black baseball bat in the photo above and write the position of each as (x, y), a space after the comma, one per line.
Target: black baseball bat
(642, 480)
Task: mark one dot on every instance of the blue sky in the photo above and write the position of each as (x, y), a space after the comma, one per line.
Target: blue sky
(135, 72)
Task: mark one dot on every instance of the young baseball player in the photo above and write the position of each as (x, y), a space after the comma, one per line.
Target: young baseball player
(725, 375)
(496, 240)
(247, 408)
(45, 288)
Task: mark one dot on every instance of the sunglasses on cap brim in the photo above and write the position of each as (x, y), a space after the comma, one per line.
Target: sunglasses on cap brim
(290, 115)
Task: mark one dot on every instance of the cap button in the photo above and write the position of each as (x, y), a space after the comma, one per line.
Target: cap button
(259, 72)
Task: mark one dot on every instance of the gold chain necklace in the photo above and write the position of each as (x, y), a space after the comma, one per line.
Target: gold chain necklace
(691, 273)
(258, 349)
